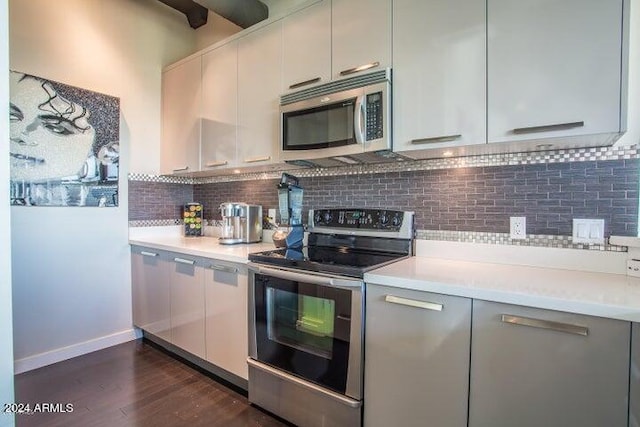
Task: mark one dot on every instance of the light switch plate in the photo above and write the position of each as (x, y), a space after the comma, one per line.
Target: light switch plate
(589, 231)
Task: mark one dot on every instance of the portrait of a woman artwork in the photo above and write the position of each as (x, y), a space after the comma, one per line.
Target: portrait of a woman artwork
(64, 144)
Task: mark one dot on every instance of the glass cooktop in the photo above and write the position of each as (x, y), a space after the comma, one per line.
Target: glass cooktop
(342, 261)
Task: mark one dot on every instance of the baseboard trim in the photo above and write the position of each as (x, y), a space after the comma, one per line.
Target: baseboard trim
(58, 355)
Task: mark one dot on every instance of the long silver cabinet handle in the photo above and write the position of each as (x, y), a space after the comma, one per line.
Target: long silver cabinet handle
(304, 278)
(257, 159)
(360, 68)
(216, 164)
(224, 268)
(145, 253)
(545, 324)
(548, 128)
(184, 261)
(414, 303)
(182, 169)
(435, 139)
(304, 83)
(310, 386)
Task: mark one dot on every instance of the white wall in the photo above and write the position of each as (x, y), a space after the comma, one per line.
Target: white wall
(217, 28)
(71, 268)
(6, 333)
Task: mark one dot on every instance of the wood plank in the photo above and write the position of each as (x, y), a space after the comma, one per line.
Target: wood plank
(133, 384)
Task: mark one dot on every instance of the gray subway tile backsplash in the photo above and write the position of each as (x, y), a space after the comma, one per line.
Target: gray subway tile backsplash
(477, 199)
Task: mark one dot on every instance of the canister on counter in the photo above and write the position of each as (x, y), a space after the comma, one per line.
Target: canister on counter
(192, 217)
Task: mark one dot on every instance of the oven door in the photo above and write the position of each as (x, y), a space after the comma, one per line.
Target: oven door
(309, 326)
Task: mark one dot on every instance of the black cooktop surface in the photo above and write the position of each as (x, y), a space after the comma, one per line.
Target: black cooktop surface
(343, 261)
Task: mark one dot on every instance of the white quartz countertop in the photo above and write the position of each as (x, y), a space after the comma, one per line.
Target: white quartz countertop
(207, 247)
(609, 295)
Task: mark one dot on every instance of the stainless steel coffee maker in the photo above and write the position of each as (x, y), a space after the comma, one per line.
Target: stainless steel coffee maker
(241, 223)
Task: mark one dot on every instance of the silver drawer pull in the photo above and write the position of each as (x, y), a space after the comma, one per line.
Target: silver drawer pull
(184, 261)
(257, 159)
(225, 268)
(360, 68)
(216, 164)
(304, 83)
(182, 169)
(414, 303)
(145, 253)
(545, 324)
(436, 139)
(548, 128)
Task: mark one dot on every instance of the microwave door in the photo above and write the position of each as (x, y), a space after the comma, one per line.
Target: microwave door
(327, 126)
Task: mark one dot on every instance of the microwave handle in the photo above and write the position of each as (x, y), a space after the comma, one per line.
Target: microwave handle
(359, 118)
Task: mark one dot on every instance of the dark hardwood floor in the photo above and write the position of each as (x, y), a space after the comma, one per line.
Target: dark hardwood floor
(133, 384)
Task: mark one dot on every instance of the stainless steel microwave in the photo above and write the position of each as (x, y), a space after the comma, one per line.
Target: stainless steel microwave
(345, 121)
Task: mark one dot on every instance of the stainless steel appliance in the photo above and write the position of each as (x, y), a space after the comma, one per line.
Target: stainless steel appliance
(343, 122)
(306, 309)
(241, 223)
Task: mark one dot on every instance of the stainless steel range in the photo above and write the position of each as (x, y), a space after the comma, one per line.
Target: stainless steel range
(306, 307)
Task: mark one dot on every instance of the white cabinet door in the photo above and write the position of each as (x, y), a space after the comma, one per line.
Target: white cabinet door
(219, 107)
(181, 102)
(439, 73)
(554, 68)
(533, 367)
(306, 46)
(226, 316)
(259, 86)
(417, 358)
(150, 291)
(187, 303)
(360, 35)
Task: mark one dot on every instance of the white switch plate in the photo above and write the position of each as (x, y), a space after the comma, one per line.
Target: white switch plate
(589, 231)
(518, 227)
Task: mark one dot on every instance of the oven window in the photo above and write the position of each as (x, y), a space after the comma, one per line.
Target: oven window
(301, 321)
(319, 127)
(304, 329)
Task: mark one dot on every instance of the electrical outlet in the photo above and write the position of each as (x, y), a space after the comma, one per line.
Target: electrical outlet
(518, 227)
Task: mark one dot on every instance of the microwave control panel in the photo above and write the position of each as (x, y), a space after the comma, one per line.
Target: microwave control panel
(368, 219)
(374, 116)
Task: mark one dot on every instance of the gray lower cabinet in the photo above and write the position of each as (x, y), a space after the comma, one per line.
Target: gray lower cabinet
(634, 398)
(226, 296)
(150, 291)
(417, 358)
(186, 277)
(533, 368)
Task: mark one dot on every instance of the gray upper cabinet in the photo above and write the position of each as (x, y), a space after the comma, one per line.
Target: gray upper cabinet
(533, 367)
(259, 83)
(360, 36)
(306, 42)
(219, 107)
(181, 105)
(554, 69)
(439, 75)
(417, 358)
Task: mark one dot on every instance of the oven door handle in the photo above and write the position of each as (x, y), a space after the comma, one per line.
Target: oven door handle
(304, 277)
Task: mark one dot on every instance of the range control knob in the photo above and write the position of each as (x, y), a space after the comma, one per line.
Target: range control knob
(384, 219)
(396, 221)
(317, 217)
(327, 217)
